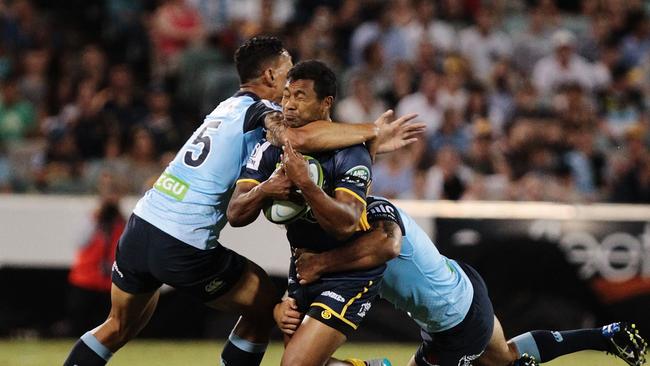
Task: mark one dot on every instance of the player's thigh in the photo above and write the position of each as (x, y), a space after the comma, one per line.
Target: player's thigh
(498, 351)
(252, 295)
(129, 314)
(464, 343)
(312, 344)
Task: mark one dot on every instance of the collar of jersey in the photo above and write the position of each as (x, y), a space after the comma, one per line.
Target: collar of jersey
(247, 93)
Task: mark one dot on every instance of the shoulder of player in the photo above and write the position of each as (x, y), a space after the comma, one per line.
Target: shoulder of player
(376, 201)
(353, 150)
(267, 149)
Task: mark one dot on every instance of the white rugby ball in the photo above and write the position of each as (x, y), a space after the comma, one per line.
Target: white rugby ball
(285, 212)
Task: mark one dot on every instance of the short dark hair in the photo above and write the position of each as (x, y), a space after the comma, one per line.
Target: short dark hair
(323, 77)
(251, 56)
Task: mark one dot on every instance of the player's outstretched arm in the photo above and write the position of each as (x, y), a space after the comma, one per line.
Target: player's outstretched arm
(373, 248)
(338, 216)
(250, 197)
(386, 134)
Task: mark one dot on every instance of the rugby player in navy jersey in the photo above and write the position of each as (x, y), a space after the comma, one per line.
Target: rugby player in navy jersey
(172, 235)
(338, 302)
(448, 300)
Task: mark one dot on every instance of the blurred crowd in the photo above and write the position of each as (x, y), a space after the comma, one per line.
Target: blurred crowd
(536, 100)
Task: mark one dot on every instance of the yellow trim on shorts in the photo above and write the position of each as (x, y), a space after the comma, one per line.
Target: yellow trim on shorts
(248, 180)
(363, 221)
(337, 315)
(365, 289)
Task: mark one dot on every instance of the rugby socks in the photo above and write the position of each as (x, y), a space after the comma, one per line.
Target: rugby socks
(545, 345)
(88, 351)
(240, 352)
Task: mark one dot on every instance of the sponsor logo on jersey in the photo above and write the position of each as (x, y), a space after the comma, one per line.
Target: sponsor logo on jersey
(467, 360)
(557, 336)
(117, 270)
(256, 156)
(171, 186)
(364, 309)
(359, 176)
(333, 295)
(213, 286)
(325, 314)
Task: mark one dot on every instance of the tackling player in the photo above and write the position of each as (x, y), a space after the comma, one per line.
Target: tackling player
(335, 305)
(172, 235)
(448, 300)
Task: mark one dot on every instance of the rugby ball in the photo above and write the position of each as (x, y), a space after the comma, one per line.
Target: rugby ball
(286, 212)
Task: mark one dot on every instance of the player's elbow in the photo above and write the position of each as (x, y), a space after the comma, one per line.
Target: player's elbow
(344, 230)
(235, 219)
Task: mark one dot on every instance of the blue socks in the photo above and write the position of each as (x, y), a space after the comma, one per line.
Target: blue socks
(240, 352)
(88, 352)
(546, 345)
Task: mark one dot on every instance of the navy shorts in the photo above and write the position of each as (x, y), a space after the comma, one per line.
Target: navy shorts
(147, 257)
(341, 304)
(464, 343)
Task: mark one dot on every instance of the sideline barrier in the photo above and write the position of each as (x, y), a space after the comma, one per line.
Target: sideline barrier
(546, 265)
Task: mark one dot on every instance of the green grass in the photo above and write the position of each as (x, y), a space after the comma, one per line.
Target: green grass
(186, 353)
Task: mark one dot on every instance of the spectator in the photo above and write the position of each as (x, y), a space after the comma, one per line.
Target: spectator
(61, 166)
(451, 93)
(452, 132)
(383, 30)
(481, 44)
(175, 26)
(636, 45)
(424, 26)
(124, 107)
(33, 84)
(361, 105)
(374, 65)
(160, 121)
(402, 84)
(90, 274)
(424, 102)
(561, 67)
(632, 183)
(17, 116)
(532, 44)
(143, 160)
(89, 127)
(621, 105)
(393, 175)
(448, 178)
(587, 165)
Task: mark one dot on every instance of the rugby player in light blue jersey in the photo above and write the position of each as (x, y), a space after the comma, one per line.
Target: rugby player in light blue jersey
(172, 235)
(448, 300)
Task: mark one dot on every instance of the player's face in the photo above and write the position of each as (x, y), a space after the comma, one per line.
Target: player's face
(301, 105)
(282, 67)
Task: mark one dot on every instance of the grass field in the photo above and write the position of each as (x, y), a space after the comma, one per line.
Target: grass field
(185, 353)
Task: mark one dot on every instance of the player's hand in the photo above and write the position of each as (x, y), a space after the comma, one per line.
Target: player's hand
(275, 127)
(308, 267)
(287, 316)
(295, 166)
(394, 134)
(278, 186)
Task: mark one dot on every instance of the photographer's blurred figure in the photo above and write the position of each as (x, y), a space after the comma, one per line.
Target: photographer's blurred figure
(90, 274)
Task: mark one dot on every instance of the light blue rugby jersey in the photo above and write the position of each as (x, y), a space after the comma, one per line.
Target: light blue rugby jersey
(430, 287)
(190, 198)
